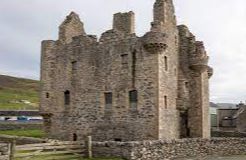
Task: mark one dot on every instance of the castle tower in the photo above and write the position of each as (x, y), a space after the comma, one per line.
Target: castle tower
(161, 42)
(48, 58)
(71, 27)
(124, 22)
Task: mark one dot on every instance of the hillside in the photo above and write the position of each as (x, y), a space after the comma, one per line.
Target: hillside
(18, 93)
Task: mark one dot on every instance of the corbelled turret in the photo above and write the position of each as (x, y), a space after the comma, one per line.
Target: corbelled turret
(163, 24)
(154, 41)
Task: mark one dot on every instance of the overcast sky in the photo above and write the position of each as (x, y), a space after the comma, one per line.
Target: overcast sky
(221, 24)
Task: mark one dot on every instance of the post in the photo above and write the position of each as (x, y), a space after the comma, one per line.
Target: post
(12, 149)
(89, 146)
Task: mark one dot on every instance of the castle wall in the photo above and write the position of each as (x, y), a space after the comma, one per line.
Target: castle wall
(123, 87)
(101, 71)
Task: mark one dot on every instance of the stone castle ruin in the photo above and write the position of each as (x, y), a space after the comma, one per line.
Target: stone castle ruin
(122, 87)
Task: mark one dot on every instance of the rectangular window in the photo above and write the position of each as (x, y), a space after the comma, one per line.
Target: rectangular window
(165, 102)
(108, 98)
(124, 60)
(133, 98)
(74, 66)
(186, 86)
(66, 97)
(108, 104)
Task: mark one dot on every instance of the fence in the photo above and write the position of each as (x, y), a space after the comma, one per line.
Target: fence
(4, 150)
(48, 150)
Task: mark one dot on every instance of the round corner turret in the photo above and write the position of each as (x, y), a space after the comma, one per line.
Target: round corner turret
(155, 41)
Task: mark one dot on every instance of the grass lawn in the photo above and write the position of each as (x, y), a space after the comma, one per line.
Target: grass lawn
(66, 157)
(26, 133)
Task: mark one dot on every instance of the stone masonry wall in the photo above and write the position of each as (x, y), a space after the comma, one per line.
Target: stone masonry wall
(228, 134)
(159, 150)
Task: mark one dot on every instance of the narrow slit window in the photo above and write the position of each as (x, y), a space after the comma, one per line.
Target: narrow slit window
(134, 59)
(133, 98)
(47, 95)
(166, 63)
(165, 102)
(66, 97)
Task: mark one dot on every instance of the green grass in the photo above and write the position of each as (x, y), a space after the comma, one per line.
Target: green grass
(26, 133)
(65, 157)
(13, 90)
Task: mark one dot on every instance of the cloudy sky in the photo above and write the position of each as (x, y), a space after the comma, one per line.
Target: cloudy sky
(221, 24)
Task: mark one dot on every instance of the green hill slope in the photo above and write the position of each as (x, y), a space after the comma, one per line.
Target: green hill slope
(18, 93)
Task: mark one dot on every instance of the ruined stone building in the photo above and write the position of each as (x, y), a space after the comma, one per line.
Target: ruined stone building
(123, 87)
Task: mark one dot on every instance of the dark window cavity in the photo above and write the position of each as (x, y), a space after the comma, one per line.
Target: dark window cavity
(166, 63)
(118, 139)
(66, 97)
(124, 60)
(133, 98)
(108, 98)
(134, 59)
(108, 104)
(186, 86)
(165, 102)
(74, 66)
(47, 95)
(75, 137)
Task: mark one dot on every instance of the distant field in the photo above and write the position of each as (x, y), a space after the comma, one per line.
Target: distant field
(15, 91)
